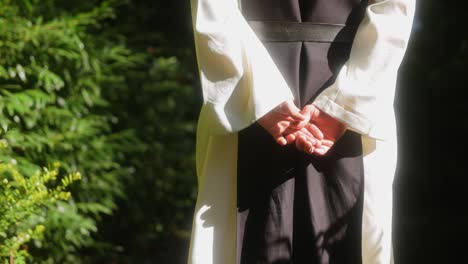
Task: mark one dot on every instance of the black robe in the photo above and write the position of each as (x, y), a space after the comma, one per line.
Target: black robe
(294, 207)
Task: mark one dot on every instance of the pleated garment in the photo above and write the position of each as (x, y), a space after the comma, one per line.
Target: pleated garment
(293, 207)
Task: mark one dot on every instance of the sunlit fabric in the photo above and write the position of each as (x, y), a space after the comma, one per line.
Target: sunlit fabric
(241, 83)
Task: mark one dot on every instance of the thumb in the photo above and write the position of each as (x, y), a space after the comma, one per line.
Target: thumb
(291, 109)
(307, 112)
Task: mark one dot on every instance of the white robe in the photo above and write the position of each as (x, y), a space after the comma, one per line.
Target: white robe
(241, 83)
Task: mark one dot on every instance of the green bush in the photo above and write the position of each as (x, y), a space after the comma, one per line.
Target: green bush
(154, 218)
(23, 200)
(72, 91)
(54, 63)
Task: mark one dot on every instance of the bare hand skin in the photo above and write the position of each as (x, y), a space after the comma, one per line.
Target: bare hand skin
(331, 128)
(309, 138)
(282, 120)
(306, 135)
(310, 129)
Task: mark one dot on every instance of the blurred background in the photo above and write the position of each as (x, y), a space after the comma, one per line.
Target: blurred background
(98, 109)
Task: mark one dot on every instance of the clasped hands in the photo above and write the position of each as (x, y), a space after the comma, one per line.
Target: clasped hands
(311, 130)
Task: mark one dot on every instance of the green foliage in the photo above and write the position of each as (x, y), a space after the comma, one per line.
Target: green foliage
(23, 199)
(72, 91)
(54, 65)
(159, 202)
(161, 103)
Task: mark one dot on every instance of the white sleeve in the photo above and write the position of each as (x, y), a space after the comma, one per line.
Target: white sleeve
(240, 81)
(362, 95)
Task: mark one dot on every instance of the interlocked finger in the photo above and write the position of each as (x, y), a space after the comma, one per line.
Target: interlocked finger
(303, 144)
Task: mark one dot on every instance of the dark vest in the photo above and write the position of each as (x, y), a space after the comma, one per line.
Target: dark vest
(293, 207)
(327, 58)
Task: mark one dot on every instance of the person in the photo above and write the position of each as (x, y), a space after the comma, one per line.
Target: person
(296, 139)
